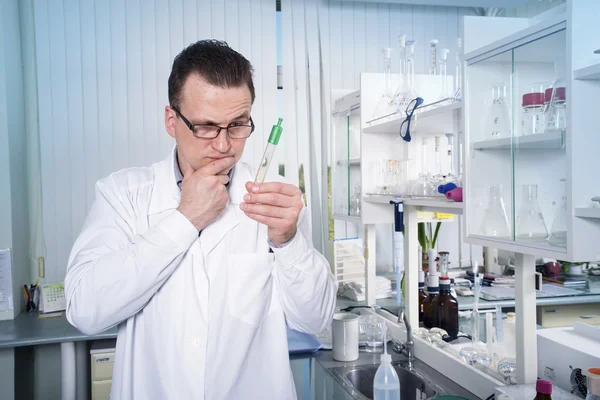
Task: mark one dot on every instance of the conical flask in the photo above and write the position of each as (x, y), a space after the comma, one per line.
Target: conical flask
(495, 221)
(558, 233)
(498, 120)
(530, 221)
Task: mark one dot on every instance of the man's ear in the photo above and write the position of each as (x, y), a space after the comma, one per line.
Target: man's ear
(170, 119)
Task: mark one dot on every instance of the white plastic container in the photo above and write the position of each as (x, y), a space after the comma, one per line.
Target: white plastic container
(509, 336)
(386, 385)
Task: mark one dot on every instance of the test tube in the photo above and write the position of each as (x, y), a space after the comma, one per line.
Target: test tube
(269, 150)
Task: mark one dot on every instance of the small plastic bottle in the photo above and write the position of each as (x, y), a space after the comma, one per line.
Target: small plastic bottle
(543, 389)
(386, 385)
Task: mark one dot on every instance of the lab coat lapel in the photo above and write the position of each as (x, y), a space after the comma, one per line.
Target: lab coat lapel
(165, 194)
(215, 232)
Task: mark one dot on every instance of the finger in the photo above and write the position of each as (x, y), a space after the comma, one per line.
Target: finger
(271, 222)
(274, 187)
(216, 167)
(267, 211)
(186, 168)
(273, 199)
(224, 179)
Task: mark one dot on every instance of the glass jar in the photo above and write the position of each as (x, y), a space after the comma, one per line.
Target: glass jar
(533, 120)
(556, 118)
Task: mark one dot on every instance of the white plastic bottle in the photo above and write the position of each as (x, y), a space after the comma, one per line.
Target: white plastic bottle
(386, 385)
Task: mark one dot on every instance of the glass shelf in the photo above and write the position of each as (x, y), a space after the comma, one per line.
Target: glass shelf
(517, 163)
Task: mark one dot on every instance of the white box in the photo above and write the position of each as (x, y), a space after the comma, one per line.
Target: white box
(559, 349)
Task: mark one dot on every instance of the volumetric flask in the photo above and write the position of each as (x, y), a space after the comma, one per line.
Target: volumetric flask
(530, 221)
(558, 233)
(495, 221)
(498, 120)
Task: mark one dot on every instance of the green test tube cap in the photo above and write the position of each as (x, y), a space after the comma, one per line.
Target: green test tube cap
(276, 132)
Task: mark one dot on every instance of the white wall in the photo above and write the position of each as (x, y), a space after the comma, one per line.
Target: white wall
(102, 70)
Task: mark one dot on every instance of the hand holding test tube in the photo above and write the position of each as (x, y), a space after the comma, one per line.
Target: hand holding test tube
(274, 204)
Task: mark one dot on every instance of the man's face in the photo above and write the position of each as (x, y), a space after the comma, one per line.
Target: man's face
(203, 103)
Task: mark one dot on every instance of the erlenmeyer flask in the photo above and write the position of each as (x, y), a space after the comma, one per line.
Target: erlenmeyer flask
(558, 233)
(498, 121)
(530, 221)
(495, 221)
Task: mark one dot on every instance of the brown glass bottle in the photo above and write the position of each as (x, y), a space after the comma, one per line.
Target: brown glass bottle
(446, 309)
(429, 303)
(543, 389)
(422, 295)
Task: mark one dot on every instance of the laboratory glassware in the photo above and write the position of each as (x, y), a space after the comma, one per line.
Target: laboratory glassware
(558, 233)
(533, 119)
(401, 96)
(433, 56)
(433, 287)
(436, 179)
(446, 309)
(556, 119)
(451, 177)
(269, 150)
(498, 120)
(444, 263)
(422, 293)
(458, 71)
(530, 221)
(410, 69)
(444, 94)
(495, 221)
(373, 342)
(387, 94)
(419, 189)
(355, 201)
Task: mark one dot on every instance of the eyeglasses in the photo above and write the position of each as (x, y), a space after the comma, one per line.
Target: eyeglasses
(235, 130)
(410, 110)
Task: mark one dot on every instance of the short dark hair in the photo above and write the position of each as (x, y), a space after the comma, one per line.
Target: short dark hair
(216, 62)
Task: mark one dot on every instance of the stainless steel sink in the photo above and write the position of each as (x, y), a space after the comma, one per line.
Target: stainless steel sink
(358, 380)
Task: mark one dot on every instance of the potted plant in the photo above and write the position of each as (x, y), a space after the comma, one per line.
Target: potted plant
(427, 237)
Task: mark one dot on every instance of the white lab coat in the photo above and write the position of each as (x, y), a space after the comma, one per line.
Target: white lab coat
(198, 317)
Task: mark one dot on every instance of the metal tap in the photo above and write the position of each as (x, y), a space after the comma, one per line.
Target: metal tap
(406, 348)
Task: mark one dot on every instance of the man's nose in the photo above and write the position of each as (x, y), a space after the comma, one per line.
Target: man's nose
(221, 142)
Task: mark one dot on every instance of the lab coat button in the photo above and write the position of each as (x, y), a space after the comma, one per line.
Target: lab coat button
(196, 342)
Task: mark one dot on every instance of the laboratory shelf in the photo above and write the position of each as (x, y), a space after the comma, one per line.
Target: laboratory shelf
(552, 140)
(353, 161)
(347, 218)
(587, 212)
(588, 73)
(433, 205)
(429, 117)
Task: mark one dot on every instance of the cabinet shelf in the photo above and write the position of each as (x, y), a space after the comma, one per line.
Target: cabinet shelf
(552, 140)
(434, 205)
(353, 161)
(588, 73)
(587, 212)
(347, 218)
(433, 117)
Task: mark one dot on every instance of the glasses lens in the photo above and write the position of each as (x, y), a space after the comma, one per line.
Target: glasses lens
(205, 131)
(240, 132)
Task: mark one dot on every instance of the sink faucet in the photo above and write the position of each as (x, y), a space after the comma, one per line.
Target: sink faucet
(406, 348)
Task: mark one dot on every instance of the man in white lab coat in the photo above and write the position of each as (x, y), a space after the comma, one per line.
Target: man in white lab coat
(200, 269)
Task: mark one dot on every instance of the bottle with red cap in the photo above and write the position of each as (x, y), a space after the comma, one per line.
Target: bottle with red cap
(543, 389)
(533, 120)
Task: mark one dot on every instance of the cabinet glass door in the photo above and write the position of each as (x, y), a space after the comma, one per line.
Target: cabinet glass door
(346, 164)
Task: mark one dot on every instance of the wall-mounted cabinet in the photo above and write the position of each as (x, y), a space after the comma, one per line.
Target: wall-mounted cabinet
(525, 137)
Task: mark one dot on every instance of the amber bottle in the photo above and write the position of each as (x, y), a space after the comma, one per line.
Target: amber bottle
(422, 295)
(429, 303)
(446, 309)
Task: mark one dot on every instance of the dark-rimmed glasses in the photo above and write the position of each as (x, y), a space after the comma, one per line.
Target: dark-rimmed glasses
(235, 130)
(410, 110)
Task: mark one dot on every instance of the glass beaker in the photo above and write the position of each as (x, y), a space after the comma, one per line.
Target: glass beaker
(373, 329)
(558, 233)
(495, 221)
(533, 121)
(530, 221)
(556, 119)
(498, 122)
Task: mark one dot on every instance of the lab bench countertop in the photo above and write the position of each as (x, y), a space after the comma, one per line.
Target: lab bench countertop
(29, 330)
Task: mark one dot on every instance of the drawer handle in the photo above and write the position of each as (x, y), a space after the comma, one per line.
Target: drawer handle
(589, 316)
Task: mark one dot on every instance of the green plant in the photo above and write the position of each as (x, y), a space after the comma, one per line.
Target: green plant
(427, 235)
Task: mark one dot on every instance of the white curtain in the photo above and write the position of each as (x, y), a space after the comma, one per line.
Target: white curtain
(102, 70)
(326, 45)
